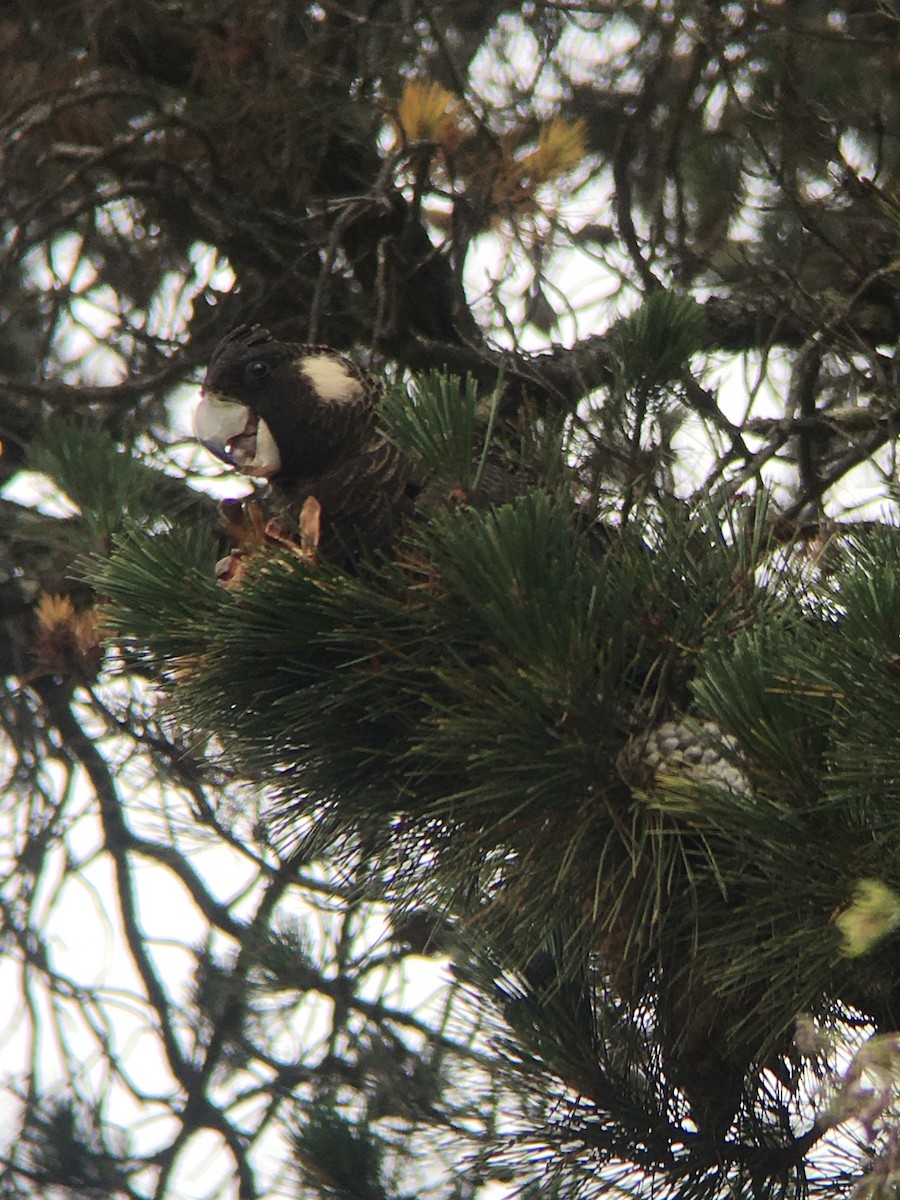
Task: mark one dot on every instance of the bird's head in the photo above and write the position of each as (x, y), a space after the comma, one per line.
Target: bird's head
(282, 411)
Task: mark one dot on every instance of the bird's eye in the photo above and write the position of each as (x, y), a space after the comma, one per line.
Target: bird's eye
(256, 370)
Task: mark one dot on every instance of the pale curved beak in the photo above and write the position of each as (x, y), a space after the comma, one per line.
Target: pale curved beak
(237, 436)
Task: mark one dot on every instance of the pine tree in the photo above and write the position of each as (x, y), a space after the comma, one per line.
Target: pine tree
(607, 768)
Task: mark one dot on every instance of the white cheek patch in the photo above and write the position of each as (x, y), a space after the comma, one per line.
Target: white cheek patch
(266, 460)
(331, 378)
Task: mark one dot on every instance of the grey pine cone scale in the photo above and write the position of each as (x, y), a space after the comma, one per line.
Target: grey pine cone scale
(682, 750)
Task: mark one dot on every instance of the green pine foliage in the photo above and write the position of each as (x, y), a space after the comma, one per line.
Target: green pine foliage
(652, 345)
(338, 1159)
(108, 485)
(460, 709)
(434, 421)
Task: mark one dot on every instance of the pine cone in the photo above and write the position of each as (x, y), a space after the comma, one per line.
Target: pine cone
(683, 749)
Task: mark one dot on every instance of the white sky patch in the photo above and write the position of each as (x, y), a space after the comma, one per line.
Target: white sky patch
(584, 51)
(32, 489)
(168, 309)
(862, 161)
(498, 76)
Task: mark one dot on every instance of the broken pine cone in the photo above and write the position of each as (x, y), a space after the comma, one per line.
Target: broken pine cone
(249, 532)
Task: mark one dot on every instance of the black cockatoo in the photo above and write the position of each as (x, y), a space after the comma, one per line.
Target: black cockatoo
(304, 418)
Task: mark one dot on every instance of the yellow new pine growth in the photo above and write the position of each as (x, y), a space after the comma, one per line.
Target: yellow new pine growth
(561, 145)
(429, 112)
(57, 614)
(873, 913)
(67, 640)
(54, 611)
